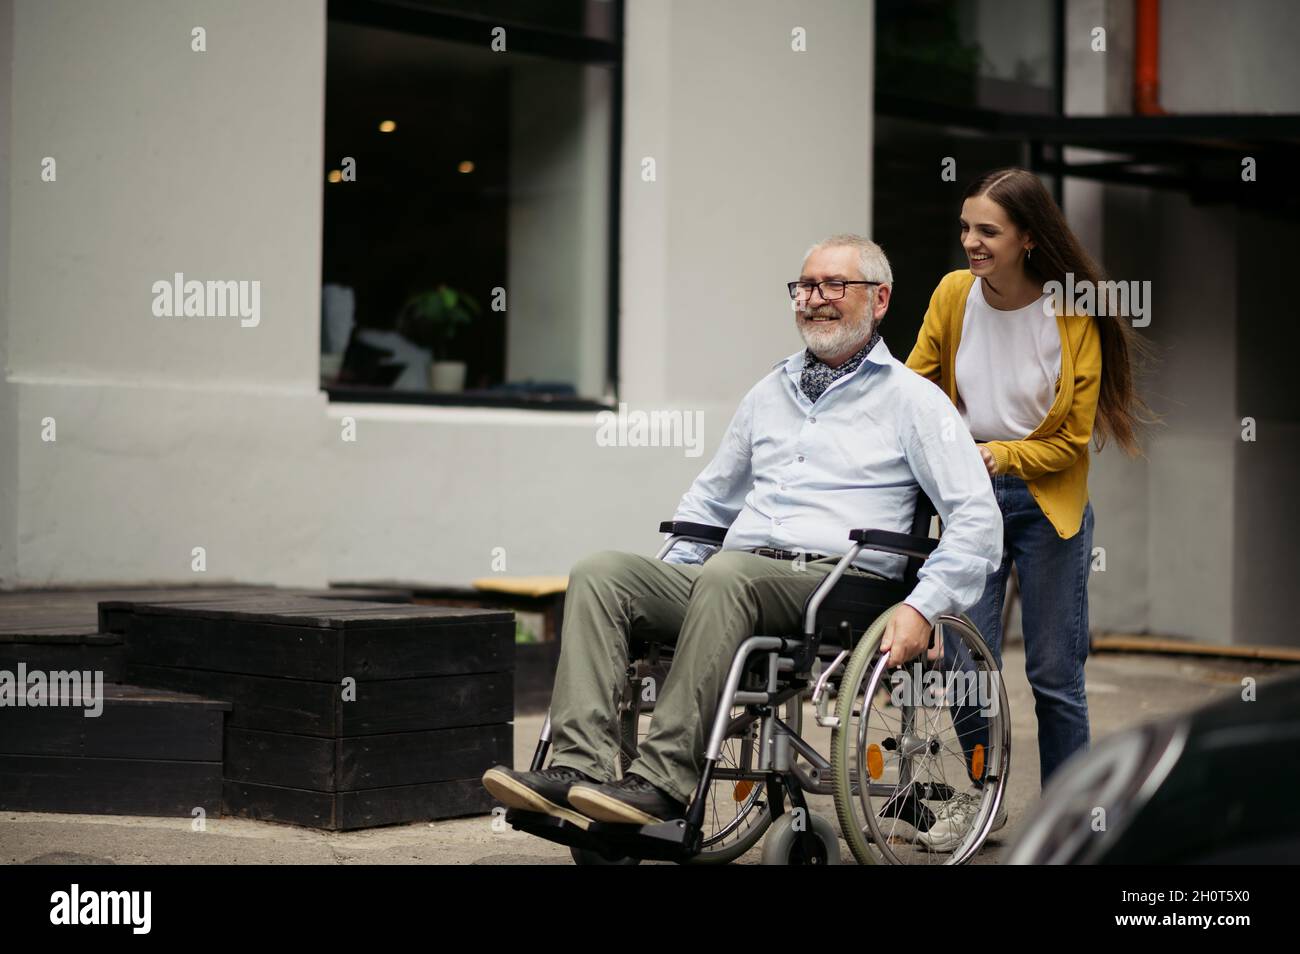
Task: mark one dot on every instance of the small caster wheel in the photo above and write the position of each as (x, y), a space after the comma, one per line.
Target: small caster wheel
(785, 846)
(585, 856)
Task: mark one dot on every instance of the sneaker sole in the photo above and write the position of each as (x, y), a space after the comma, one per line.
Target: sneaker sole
(515, 794)
(948, 845)
(944, 847)
(603, 808)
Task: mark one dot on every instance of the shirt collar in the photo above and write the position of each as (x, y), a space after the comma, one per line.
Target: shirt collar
(794, 363)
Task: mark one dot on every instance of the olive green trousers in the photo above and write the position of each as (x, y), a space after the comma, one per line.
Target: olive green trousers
(705, 611)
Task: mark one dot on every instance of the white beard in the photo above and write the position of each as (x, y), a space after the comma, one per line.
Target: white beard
(835, 339)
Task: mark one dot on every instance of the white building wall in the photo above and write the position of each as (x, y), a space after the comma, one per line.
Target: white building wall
(178, 433)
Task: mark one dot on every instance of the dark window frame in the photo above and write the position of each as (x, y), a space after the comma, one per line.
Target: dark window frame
(406, 17)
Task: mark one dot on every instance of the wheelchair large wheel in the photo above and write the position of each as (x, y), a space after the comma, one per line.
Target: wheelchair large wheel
(917, 779)
(737, 812)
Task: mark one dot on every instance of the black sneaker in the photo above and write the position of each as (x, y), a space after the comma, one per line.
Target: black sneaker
(631, 800)
(545, 791)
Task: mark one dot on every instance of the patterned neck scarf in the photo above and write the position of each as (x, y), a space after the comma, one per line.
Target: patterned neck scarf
(818, 375)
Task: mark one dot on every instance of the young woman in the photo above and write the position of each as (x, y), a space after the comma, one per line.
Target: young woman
(1035, 383)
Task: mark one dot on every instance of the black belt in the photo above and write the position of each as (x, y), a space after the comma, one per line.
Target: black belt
(776, 554)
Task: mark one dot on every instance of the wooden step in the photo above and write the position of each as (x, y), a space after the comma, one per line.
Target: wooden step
(79, 628)
(147, 752)
(372, 761)
(316, 708)
(344, 713)
(347, 811)
(309, 638)
(61, 649)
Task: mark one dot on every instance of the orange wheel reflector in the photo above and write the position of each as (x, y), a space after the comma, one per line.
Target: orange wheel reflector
(977, 760)
(741, 790)
(875, 761)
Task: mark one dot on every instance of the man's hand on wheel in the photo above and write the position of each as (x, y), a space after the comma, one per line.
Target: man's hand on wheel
(906, 634)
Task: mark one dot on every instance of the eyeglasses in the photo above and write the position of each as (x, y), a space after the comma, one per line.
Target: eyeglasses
(831, 291)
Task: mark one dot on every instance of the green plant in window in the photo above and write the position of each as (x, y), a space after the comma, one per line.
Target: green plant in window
(431, 318)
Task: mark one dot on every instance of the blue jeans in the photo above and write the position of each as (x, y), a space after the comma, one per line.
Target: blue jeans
(1053, 577)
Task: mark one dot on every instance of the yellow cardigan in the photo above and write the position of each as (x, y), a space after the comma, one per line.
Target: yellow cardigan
(1053, 460)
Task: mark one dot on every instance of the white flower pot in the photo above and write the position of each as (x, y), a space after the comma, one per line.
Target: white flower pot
(447, 376)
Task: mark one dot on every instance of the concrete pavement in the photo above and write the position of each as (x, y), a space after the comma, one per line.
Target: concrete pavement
(1122, 690)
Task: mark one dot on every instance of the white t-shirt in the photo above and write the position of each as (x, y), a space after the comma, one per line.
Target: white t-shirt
(1007, 366)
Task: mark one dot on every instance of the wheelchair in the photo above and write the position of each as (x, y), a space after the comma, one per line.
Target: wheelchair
(919, 755)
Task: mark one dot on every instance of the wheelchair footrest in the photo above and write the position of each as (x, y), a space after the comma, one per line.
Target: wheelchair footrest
(662, 841)
(548, 827)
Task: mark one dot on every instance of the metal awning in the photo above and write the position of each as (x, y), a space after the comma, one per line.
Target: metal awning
(1201, 155)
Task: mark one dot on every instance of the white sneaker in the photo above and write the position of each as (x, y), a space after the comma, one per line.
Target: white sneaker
(952, 822)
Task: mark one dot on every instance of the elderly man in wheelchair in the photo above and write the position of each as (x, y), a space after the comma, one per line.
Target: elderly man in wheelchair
(827, 585)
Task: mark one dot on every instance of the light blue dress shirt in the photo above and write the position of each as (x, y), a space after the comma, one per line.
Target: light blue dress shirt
(800, 475)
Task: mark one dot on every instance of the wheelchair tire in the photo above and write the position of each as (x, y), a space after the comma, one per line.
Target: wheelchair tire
(785, 846)
(855, 763)
(585, 856)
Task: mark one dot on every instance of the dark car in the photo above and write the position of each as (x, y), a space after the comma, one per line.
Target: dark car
(1217, 785)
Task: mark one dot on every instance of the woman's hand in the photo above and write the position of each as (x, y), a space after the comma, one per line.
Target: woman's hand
(989, 465)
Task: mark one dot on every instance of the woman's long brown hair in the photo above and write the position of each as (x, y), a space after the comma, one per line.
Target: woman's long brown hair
(1020, 193)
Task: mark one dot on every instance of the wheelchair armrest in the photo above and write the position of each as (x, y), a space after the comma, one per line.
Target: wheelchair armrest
(700, 531)
(887, 541)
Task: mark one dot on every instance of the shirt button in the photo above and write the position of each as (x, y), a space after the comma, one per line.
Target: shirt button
(800, 458)
(812, 420)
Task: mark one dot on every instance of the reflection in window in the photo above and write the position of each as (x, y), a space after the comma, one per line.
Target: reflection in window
(467, 247)
(987, 54)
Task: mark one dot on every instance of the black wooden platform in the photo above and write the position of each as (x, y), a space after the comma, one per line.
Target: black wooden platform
(148, 752)
(431, 712)
(432, 709)
(55, 629)
(550, 605)
(535, 663)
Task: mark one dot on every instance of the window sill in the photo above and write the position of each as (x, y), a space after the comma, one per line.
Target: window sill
(537, 402)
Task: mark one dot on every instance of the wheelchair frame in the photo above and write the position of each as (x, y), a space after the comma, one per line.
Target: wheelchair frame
(680, 840)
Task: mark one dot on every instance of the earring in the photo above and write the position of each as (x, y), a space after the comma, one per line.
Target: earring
(1029, 253)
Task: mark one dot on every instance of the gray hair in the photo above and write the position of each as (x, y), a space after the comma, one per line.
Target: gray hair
(871, 257)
